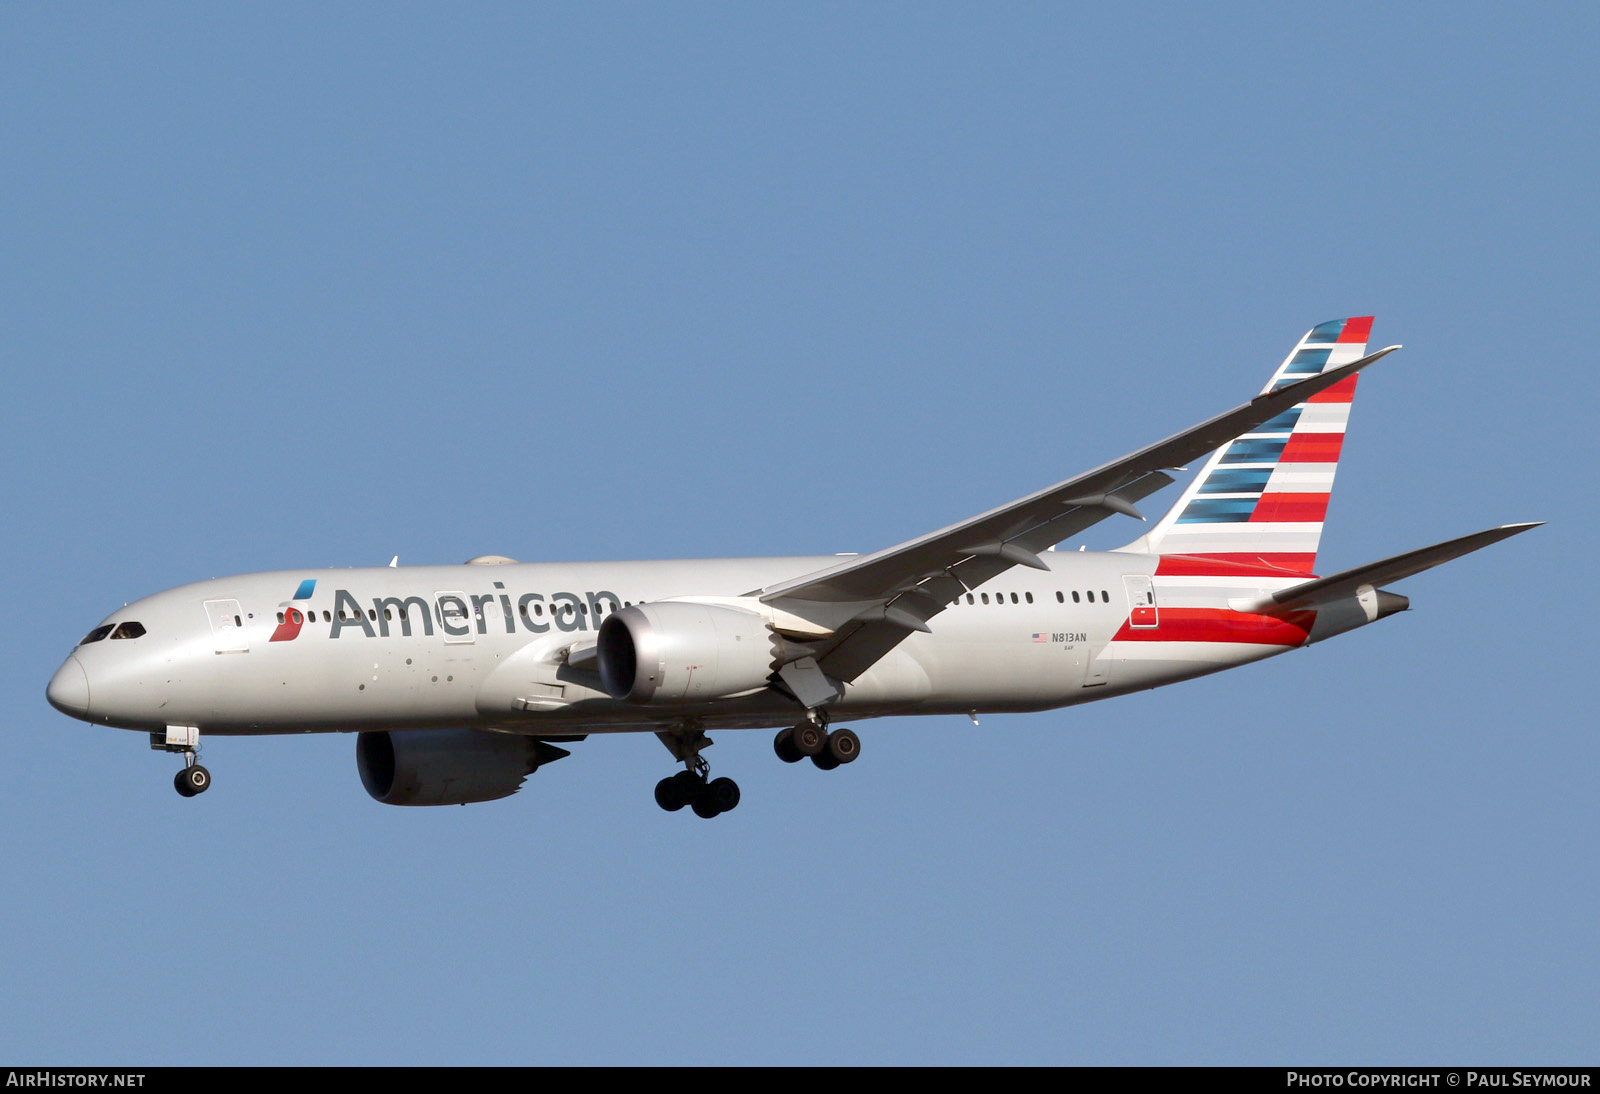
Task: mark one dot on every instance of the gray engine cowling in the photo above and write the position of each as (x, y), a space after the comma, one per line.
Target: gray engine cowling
(446, 766)
(683, 652)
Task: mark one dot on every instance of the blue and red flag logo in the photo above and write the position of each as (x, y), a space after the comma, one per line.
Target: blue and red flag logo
(292, 617)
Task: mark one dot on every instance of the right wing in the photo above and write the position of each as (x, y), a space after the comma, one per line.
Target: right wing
(865, 606)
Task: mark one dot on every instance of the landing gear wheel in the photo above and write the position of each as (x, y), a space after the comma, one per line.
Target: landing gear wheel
(676, 791)
(825, 761)
(843, 745)
(809, 739)
(192, 780)
(666, 794)
(724, 793)
(785, 747)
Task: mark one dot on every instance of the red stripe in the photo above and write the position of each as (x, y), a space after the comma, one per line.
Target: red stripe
(1222, 625)
(1356, 330)
(1291, 507)
(1236, 565)
(1312, 448)
(1342, 392)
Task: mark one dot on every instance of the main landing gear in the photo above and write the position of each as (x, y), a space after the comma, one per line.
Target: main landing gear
(812, 739)
(694, 786)
(193, 779)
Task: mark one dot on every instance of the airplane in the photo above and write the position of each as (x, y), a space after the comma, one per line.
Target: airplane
(461, 681)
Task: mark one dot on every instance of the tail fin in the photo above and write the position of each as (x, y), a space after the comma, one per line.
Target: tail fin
(1261, 499)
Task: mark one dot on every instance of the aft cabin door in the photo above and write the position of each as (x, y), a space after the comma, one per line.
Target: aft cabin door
(1142, 611)
(227, 626)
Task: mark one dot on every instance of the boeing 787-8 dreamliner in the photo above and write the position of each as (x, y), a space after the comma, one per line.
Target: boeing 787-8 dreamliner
(463, 680)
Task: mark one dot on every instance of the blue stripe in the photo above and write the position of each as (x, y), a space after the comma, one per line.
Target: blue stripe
(1326, 332)
(1254, 450)
(1249, 480)
(1218, 510)
(305, 589)
(1307, 362)
(1283, 423)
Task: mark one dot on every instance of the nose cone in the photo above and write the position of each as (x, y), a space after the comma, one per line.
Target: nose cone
(69, 689)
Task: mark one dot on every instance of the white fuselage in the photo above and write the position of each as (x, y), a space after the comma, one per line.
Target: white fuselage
(495, 646)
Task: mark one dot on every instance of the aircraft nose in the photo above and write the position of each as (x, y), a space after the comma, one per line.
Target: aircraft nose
(69, 689)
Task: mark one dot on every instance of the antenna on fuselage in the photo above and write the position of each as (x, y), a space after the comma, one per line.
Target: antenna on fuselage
(395, 561)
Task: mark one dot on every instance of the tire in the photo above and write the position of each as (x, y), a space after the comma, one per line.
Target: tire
(844, 745)
(667, 795)
(825, 761)
(197, 779)
(785, 747)
(704, 807)
(809, 739)
(181, 785)
(724, 794)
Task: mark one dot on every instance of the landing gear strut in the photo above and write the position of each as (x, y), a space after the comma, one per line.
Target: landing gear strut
(812, 739)
(693, 786)
(193, 779)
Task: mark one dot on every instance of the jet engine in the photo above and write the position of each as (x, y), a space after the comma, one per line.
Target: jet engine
(447, 766)
(674, 651)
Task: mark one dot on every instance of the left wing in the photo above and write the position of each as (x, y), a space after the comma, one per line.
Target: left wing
(1322, 590)
(866, 606)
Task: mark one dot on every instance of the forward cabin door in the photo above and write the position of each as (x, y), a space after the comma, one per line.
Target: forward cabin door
(227, 626)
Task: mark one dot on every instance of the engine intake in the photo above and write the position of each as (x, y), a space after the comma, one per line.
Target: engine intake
(683, 652)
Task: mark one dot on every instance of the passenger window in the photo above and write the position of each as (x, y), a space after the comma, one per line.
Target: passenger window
(237, 622)
(985, 597)
(1013, 598)
(96, 635)
(1060, 599)
(280, 617)
(1105, 597)
(969, 598)
(1075, 599)
(128, 630)
(1028, 597)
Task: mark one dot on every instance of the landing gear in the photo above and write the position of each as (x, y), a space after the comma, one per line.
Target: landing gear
(812, 739)
(193, 779)
(694, 786)
(798, 742)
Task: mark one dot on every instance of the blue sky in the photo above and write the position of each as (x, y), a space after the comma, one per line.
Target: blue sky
(289, 287)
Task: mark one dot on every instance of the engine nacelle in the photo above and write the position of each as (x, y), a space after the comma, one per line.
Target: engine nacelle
(673, 651)
(444, 766)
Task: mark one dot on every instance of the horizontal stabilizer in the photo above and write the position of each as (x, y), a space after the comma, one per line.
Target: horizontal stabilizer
(1336, 586)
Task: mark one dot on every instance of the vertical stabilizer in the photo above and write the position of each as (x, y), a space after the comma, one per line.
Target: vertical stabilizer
(1261, 499)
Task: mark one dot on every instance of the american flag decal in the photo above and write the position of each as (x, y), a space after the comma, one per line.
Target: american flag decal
(1037, 637)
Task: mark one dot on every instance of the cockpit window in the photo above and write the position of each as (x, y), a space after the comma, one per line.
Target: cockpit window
(129, 629)
(97, 634)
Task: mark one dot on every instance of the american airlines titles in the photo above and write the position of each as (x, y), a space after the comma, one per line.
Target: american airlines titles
(459, 614)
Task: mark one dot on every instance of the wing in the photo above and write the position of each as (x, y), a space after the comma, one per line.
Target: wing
(865, 606)
(1308, 594)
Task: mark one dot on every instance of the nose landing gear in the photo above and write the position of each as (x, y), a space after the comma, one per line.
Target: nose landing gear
(193, 779)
